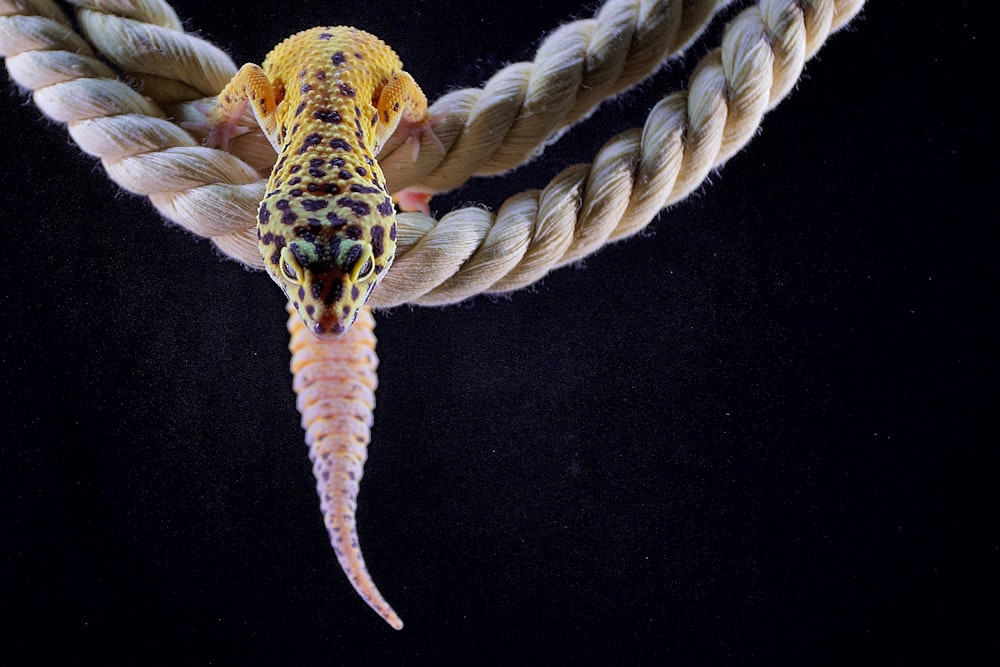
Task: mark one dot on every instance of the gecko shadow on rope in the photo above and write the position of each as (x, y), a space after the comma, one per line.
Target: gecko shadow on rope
(327, 99)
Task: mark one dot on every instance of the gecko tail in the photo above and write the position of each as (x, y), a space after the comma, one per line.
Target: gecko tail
(335, 381)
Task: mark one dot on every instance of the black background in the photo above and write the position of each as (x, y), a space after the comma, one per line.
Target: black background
(748, 436)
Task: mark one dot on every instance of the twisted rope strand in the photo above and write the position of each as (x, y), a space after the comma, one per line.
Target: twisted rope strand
(145, 40)
(142, 38)
(525, 104)
(634, 176)
(469, 250)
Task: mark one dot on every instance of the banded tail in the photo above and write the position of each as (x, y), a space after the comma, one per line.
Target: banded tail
(335, 381)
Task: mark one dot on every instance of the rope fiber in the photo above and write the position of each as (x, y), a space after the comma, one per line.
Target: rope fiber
(123, 86)
(125, 82)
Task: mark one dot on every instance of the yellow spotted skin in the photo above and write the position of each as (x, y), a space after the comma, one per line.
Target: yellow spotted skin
(327, 99)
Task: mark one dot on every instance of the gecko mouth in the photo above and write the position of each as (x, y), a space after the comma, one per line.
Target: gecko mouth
(326, 322)
(328, 331)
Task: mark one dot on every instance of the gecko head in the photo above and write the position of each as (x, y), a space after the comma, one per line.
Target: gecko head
(328, 280)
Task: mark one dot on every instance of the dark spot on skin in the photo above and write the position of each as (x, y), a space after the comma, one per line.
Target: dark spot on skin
(295, 193)
(317, 173)
(267, 238)
(263, 105)
(337, 162)
(308, 233)
(340, 145)
(316, 290)
(345, 311)
(279, 240)
(328, 188)
(351, 258)
(378, 270)
(364, 189)
(343, 173)
(335, 220)
(305, 88)
(325, 36)
(302, 293)
(309, 141)
(288, 216)
(369, 160)
(300, 253)
(294, 168)
(385, 116)
(378, 236)
(354, 292)
(300, 109)
(375, 118)
(295, 181)
(386, 208)
(395, 107)
(338, 58)
(316, 162)
(361, 171)
(310, 309)
(392, 232)
(302, 73)
(327, 116)
(275, 256)
(333, 296)
(346, 90)
(313, 204)
(354, 232)
(357, 111)
(263, 215)
(359, 56)
(321, 75)
(358, 208)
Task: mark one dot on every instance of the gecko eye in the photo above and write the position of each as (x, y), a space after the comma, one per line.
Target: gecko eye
(366, 271)
(290, 266)
(362, 263)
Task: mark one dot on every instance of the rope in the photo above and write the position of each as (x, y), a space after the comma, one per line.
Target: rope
(468, 251)
(215, 194)
(634, 175)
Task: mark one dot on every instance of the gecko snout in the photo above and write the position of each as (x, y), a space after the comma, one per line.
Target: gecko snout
(331, 330)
